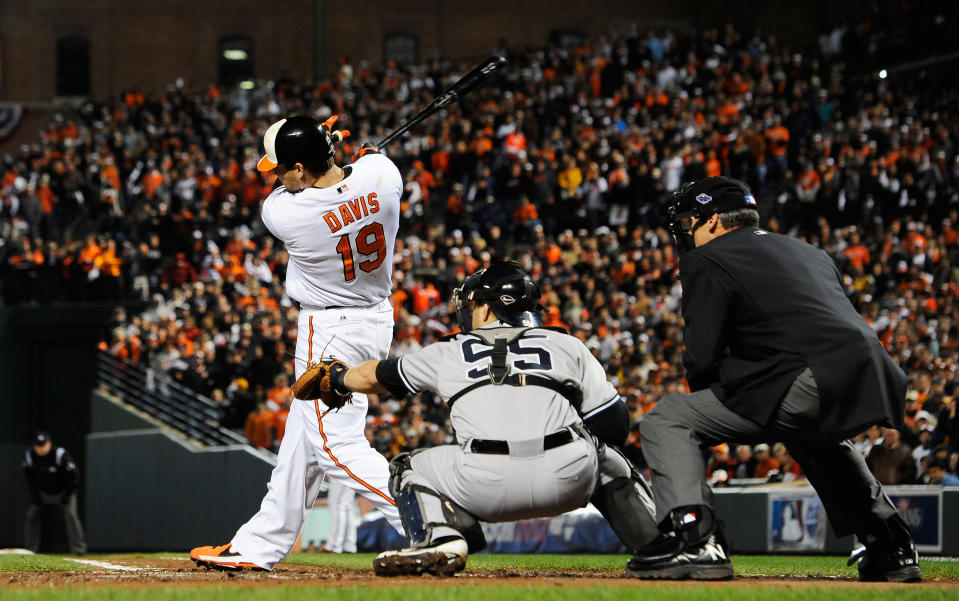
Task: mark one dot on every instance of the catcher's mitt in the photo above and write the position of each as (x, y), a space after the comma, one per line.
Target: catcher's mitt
(324, 381)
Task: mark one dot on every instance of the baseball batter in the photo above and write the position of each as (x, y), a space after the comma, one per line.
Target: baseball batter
(531, 408)
(339, 226)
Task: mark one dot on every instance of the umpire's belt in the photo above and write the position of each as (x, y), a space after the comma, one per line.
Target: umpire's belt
(522, 448)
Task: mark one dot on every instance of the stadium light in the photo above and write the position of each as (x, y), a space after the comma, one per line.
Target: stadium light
(883, 74)
(234, 54)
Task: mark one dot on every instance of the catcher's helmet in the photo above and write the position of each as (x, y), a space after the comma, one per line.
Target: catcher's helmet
(297, 140)
(506, 288)
(701, 200)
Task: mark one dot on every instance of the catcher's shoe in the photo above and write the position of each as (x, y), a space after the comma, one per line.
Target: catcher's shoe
(888, 562)
(444, 557)
(221, 558)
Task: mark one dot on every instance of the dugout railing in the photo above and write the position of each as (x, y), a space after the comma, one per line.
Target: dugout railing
(159, 396)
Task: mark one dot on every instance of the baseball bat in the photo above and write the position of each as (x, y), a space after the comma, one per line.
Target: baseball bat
(466, 84)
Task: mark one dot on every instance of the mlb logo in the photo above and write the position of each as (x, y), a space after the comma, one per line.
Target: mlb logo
(704, 198)
(750, 200)
(342, 189)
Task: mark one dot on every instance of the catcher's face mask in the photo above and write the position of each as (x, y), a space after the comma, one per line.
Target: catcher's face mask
(463, 309)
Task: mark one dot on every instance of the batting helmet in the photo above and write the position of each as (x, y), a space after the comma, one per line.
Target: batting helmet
(701, 200)
(508, 290)
(297, 140)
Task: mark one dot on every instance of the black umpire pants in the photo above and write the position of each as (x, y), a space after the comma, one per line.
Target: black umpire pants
(68, 506)
(675, 431)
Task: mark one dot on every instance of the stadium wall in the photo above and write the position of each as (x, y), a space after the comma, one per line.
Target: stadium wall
(149, 45)
(148, 489)
(47, 369)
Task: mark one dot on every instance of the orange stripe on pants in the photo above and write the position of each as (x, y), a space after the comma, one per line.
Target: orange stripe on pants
(319, 421)
(309, 352)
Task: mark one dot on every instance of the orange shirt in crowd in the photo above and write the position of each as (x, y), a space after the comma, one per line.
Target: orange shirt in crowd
(279, 423)
(713, 168)
(88, 256)
(764, 467)
(112, 175)
(553, 253)
(398, 299)
(425, 297)
(525, 213)
(809, 179)
(34, 256)
(47, 199)
(259, 428)
(108, 262)
(778, 139)
(858, 254)
(275, 393)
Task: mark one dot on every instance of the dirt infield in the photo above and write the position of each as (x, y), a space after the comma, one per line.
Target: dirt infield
(151, 572)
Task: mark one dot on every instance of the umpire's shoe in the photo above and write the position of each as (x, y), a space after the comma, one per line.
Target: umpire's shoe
(886, 562)
(694, 549)
(444, 557)
(221, 558)
(889, 554)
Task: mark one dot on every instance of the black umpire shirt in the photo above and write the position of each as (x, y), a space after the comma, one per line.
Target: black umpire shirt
(761, 307)
(53, 473)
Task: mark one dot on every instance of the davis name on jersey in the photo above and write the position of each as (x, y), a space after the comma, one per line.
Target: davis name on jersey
(351, 211)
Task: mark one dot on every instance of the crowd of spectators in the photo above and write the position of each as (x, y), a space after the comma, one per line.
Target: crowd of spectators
(562, 163)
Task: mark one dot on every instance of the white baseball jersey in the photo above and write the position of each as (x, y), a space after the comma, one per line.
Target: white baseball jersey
(340, 239)
(509, 412)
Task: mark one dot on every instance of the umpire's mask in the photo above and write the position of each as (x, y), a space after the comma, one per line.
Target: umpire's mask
(701, 199)
(506, 288)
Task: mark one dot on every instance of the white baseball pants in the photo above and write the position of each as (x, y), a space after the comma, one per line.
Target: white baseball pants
(319, 441)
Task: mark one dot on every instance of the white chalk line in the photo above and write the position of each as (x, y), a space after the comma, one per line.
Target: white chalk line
(103, 564)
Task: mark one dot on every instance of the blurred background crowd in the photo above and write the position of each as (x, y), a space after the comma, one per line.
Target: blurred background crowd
(562, 163)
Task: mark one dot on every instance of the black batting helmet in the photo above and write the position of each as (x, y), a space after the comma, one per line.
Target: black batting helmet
(701, 199)
(508, 290)
(295, 140)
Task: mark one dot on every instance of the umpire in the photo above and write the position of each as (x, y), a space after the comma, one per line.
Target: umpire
(52, 479)
(774, 351)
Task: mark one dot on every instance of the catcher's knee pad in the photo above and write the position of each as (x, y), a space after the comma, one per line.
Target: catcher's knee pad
(626, 500)
(423, 510)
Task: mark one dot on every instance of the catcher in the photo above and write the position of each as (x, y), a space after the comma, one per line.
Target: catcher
(531, 408)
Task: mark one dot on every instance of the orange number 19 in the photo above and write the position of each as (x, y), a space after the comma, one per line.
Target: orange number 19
(370, 242)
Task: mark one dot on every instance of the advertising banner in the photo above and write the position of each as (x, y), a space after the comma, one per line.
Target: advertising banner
(797, 521)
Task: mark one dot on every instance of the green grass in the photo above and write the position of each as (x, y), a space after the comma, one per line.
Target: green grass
(36, 563)
(477, 591)
(943, 576)
(818, 566)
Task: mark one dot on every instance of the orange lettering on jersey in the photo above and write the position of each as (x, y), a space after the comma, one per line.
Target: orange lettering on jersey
(355, 207)
(332, 221)
(374, 204)
(366, 209)
(346, 215)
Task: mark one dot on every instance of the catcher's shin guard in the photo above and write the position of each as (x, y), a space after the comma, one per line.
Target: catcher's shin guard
(625, 499)
(428, 515)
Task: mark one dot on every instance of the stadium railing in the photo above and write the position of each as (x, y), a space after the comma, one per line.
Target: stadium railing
(159, 396)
